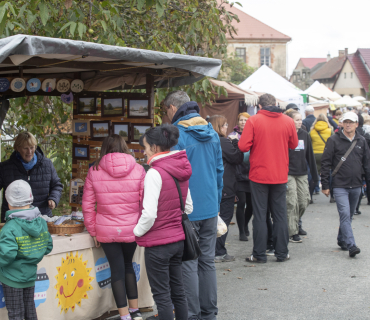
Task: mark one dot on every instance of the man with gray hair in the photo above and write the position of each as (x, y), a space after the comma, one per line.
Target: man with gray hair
(202, 145)
(310, 118)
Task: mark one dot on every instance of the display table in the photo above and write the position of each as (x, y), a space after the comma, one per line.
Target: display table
(73, 281)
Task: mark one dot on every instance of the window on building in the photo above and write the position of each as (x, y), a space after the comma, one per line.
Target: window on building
(265, 56)
(351, 75)
(294, 78)
(345, 75)
(240, 53)
(304, 75)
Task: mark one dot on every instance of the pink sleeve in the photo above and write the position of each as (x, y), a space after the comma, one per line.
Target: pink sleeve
(88, 205)
(141, 192)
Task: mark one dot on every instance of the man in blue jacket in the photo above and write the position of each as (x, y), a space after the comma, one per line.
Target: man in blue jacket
(203, 149)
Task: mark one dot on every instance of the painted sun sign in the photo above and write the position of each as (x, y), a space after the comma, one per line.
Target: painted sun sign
(73, 282)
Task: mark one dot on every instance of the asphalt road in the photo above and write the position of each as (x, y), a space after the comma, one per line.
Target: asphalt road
(319, 281)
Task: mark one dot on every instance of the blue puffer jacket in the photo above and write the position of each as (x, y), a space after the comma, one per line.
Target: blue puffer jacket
(202, 145)
(43, 179)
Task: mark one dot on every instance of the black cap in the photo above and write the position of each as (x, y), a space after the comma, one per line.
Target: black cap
(291, 106)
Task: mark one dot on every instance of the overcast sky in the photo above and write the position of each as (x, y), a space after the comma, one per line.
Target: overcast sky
(317, 27)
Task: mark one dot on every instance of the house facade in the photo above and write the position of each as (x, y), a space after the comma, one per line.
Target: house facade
(329, 72)
(257, 44)
(354, 77)
(301, 76)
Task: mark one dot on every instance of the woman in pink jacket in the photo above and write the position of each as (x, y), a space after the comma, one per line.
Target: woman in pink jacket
(115, 185)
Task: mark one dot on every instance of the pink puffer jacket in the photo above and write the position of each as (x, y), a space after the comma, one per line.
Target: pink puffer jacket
(117, 189)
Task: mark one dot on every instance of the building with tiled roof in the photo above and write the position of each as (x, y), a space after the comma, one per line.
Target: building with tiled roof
(329, 72)
(301, 76)
(354, 76)
(256, 43)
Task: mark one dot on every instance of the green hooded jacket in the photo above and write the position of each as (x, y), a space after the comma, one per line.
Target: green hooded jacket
(24, 240)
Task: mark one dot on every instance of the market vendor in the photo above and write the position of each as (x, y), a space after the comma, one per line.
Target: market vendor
(28, 163)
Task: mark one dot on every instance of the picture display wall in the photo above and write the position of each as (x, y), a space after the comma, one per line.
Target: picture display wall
(99, 115)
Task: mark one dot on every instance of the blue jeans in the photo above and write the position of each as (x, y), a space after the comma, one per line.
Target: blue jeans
(346, 199)
(199, 275)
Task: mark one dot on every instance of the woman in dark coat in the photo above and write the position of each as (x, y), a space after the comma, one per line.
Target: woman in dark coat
(231, 156)
(244, 208)
(28, 163)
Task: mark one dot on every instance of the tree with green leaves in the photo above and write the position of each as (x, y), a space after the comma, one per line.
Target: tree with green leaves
(194, 27)
(235, 70)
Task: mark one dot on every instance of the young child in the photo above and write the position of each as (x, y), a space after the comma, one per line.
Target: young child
(24, 240)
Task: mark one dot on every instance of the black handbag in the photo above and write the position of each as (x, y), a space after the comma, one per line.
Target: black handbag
(191, 246)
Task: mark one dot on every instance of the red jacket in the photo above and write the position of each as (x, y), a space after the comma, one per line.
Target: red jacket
(269, 135)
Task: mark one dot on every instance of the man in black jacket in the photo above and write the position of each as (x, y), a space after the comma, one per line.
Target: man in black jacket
(347, 182)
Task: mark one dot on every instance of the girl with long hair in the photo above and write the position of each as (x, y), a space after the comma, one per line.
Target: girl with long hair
(231, 157)
(115, 186)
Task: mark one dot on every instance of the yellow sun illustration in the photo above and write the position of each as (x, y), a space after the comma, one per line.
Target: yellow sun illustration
(73, 282)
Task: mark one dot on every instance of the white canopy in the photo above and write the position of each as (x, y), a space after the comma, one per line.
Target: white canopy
(267, 80)
(320, 91)
(359, 98)
(347, 101)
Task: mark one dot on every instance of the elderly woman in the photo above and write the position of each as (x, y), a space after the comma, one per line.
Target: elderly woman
(28, 163)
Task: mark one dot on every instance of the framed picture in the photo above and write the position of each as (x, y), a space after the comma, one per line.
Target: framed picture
(112, 107)
(81, 151)
(138, 129)
(86, 105)
(99, 129)
(138, 108)
(122, 129)
(81, 127)
(76, 191)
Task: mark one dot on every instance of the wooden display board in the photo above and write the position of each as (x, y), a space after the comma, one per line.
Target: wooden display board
(86, 146)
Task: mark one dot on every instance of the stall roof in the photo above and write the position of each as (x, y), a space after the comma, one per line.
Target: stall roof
(101, 67)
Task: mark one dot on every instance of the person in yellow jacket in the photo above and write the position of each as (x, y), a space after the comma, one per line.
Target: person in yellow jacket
(321, 131)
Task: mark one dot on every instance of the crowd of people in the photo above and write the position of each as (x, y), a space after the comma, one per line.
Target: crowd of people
(268, 166)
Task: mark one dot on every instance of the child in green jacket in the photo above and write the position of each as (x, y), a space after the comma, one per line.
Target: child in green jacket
(24, 240)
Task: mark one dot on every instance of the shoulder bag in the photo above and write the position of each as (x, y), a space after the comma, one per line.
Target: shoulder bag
(344, 158)
(191, 246)
(321, 137)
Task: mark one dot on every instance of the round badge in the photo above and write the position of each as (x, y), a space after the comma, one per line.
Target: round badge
(77, 85)
(4, 84)
(63, 85)
(67, 98)
(48, 85)
(18, 84)
(33, 85)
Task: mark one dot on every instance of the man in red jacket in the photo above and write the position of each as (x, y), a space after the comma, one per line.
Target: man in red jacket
(269, 135)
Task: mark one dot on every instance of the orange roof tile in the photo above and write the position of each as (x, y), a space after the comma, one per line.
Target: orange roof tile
(311, 62)
(251, 28)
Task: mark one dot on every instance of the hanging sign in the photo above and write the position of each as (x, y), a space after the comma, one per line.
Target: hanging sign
(77, 85)
(63, 85)
(48, 85)
(18, 84)
(67, 98)
(33, 85)
(4, 84)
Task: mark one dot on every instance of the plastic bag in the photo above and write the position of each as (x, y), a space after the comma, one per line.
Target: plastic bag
(221, 227)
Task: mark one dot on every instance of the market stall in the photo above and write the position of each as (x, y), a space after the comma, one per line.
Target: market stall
(85, 295)
(82, 73)
(268, 81)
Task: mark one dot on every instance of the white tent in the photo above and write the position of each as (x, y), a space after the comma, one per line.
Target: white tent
(320, 91)
(359, 98)
(267, 80)
(347, 101)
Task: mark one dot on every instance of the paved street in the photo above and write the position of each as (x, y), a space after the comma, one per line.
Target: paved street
(319, 282)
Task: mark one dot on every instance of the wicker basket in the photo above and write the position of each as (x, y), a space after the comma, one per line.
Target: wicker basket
(65, 228)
